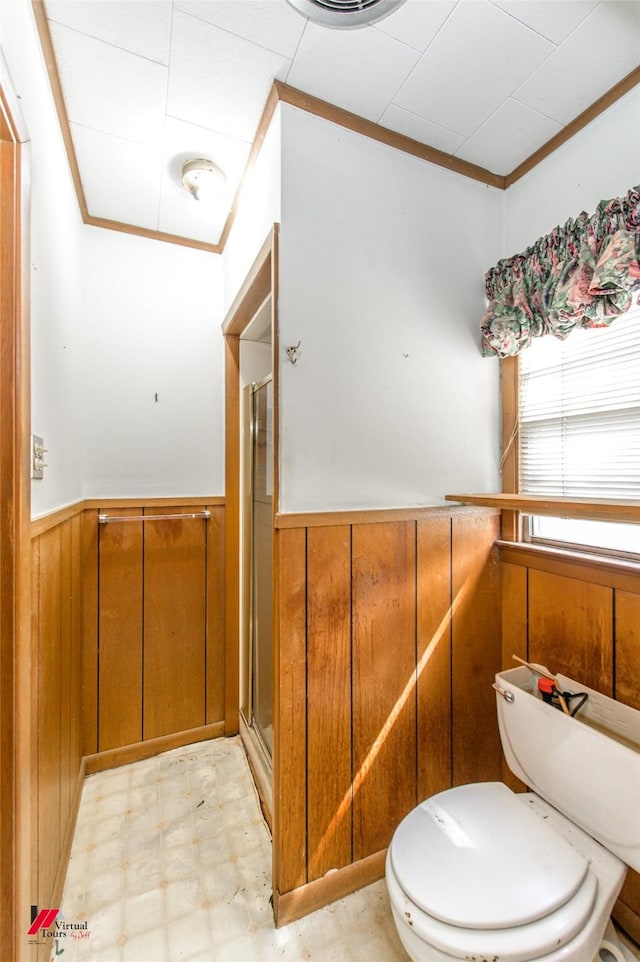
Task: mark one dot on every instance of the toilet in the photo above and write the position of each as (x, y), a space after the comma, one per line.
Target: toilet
(482, 873)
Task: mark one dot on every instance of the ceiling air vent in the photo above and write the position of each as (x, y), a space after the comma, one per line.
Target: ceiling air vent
(345, 13)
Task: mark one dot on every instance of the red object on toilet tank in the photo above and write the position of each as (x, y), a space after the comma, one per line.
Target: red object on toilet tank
(547, 688)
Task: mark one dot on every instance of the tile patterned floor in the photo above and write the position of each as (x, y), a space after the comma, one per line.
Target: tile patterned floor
(171, 861)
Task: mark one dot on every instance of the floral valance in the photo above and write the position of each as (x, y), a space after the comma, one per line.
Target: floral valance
(581, 275)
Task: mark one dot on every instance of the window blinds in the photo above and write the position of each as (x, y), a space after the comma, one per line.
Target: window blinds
(580, 413)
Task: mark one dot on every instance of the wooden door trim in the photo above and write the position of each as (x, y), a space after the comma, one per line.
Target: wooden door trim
(510, 390)
(261, 280)
(15, 597)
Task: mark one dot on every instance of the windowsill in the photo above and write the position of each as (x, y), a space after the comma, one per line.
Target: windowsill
(596, 509)
(524, 552)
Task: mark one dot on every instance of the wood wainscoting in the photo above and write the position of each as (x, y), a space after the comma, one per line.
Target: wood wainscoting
(387, 641)
(56, 637)
(154, 655)
(127, 653)
(580, 618)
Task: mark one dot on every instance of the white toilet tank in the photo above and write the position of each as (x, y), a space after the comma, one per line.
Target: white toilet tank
(588, 767)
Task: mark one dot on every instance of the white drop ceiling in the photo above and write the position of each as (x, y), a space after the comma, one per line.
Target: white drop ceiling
(148, 84)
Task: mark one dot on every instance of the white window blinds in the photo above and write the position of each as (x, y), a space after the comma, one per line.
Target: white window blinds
(580, 413)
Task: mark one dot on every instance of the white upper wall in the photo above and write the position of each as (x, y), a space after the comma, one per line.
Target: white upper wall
(599, 162)
(55, 273)
(115, 320)
(382, 264)
(259, 207)
(382, 259)
(151, 327)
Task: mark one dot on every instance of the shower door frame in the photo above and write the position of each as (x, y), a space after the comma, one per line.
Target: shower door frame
(260, 282)
(248, 640)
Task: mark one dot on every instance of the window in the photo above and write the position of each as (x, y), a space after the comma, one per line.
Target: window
(580, 428)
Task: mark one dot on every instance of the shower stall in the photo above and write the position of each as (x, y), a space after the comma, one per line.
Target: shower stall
(256, 539)
(259, 704)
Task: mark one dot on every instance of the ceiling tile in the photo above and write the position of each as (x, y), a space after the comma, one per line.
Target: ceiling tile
(121, 179)
(218, 80)
(150, 83)
(108, 89)
(555, 21)
(416, 23)
(344, 67)
(275, 26)
(142, 28)
(395, 118)
(479, 57)
(179, 212)
(510, 135)
(603, 50)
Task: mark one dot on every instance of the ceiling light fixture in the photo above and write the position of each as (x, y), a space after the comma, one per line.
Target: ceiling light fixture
(345, 13)
(202, 178)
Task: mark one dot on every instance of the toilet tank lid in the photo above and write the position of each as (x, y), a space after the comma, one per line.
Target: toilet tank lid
(476, 857)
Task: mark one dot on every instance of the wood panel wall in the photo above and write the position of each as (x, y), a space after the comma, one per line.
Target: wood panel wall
(387, 642)
(57, 679)
(127, 645)
(155, 659)
(582, 620)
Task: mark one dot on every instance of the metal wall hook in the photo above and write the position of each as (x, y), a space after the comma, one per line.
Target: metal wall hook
(292, 352)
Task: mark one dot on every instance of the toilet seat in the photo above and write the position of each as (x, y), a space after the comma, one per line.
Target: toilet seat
(475, 873)
(519, 944)
(476, 857)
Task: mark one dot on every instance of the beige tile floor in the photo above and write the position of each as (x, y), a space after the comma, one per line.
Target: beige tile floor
(171, 861)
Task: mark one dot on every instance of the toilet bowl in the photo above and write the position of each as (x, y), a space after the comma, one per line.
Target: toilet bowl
(480, 872)
(535, 887)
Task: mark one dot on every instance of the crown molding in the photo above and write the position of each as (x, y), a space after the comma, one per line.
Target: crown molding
(283, 93)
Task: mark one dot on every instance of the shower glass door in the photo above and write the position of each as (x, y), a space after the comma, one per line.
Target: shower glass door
(261, 563)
